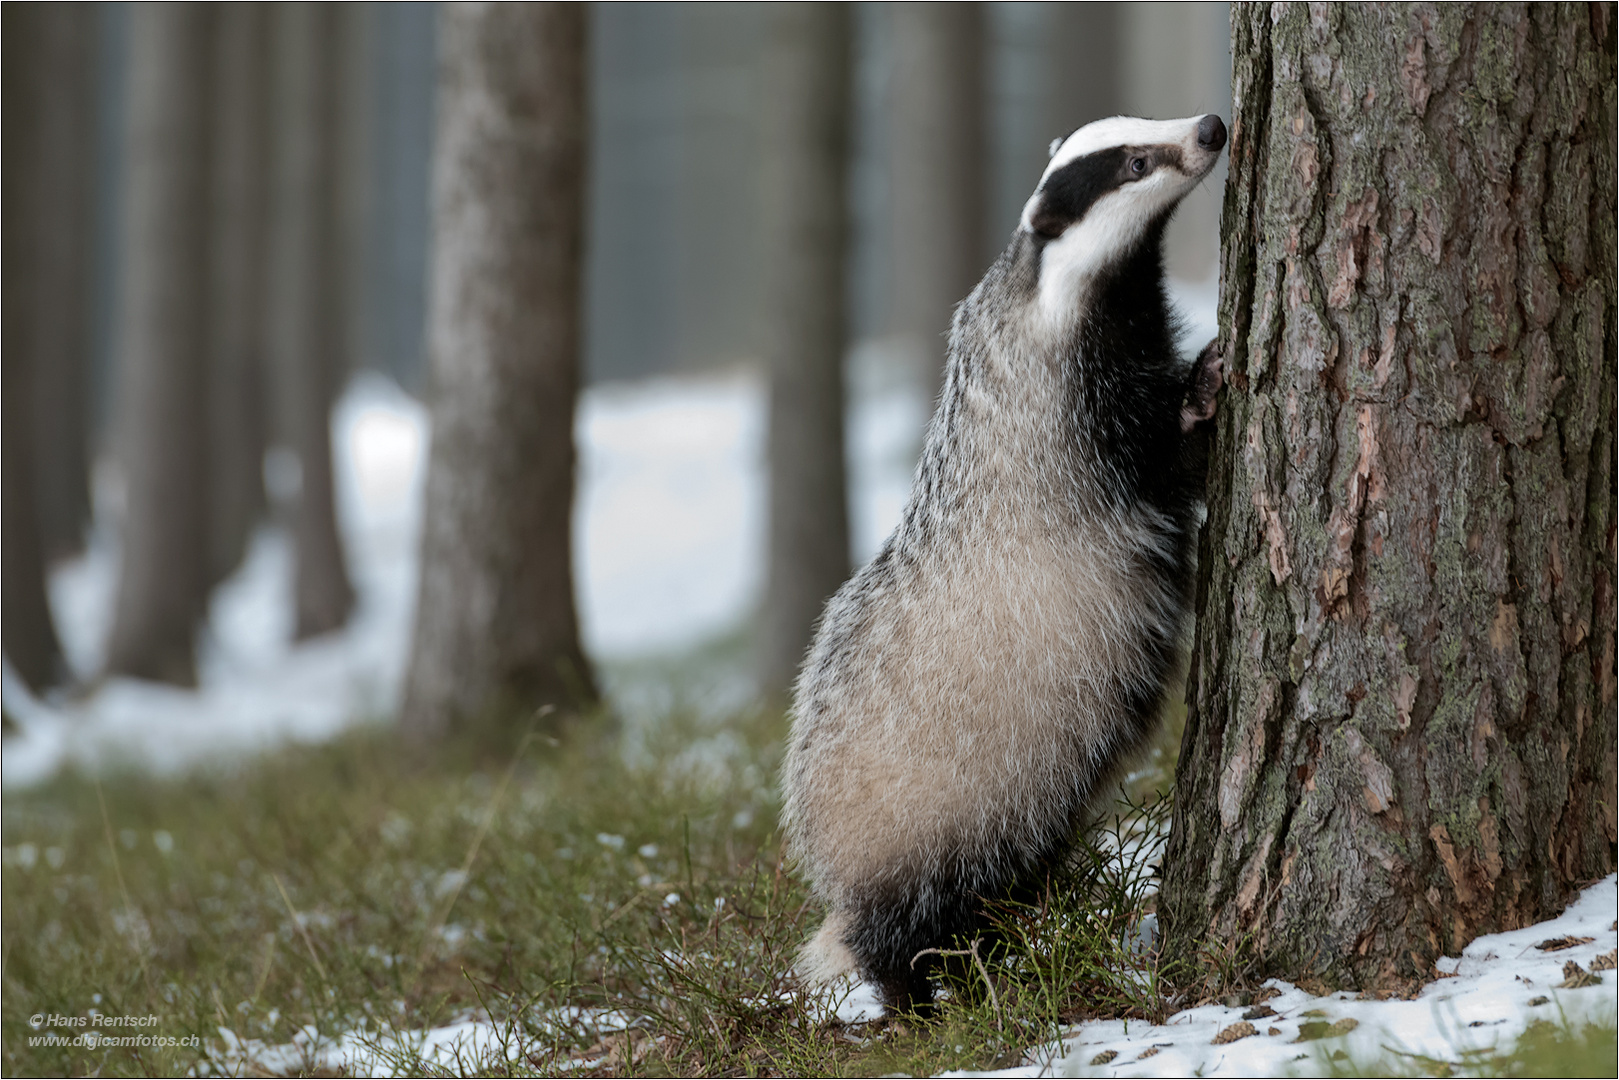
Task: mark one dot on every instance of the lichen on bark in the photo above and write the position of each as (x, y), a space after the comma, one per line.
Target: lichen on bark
(1401, 705)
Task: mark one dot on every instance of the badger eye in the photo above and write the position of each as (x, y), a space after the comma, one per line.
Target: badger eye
(1138, 166)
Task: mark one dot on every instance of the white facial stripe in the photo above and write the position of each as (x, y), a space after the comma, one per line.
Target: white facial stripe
(1123, 131)
(1068, 261)
(1112, 225)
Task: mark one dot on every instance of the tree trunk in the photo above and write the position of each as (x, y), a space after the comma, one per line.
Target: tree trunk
(939, 173)
(405, 35)
(237, 413)
(62, 217)
(306, 332)
(805, 176)
(496, 632)
(1401, 707)
(356, 181)
(30, 642)
(162, 589)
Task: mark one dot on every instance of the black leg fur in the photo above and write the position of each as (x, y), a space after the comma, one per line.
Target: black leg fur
(908, 992)
(1197, 410)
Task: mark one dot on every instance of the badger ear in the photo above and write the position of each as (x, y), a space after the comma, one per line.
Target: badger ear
(1048, 221)
(1051, 151)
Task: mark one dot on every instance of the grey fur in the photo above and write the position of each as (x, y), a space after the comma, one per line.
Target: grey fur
(970, 689)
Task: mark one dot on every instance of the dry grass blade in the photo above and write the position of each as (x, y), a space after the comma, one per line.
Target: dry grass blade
(297, 921)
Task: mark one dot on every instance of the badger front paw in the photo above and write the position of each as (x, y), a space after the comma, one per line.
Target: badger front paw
(1208, 374)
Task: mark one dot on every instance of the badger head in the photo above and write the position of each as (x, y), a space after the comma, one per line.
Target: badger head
(1109, 188)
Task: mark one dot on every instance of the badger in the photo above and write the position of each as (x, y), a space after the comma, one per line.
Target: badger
(971, 689)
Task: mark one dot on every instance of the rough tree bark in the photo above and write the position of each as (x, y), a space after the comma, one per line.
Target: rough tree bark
(805, 177)
(238, 241)
(162, 587)
(496, 631)
(1401, 707)
(306, 329)
(30, 641)
(939, 172)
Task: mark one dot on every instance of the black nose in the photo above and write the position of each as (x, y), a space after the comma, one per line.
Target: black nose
(1210, 133)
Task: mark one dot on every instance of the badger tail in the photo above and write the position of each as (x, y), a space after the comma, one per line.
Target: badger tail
(824, 957)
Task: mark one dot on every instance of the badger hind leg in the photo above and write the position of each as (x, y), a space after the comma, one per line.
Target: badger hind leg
(890, 937)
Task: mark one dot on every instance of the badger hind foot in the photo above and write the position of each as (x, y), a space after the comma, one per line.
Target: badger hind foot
(844, 946)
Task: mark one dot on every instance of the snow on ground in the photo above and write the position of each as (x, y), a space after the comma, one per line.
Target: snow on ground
(671, 511)
(1502, 984)
(469, 1046)
(669, 531)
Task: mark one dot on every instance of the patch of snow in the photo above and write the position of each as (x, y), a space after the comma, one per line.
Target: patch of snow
(470, 1046)
(670, 519)
(1485, 1007)
(859, 1004)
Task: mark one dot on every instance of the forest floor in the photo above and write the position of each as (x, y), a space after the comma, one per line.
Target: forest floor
(618, 904)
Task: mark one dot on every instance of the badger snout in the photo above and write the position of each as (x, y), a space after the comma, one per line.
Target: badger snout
(1211, 133)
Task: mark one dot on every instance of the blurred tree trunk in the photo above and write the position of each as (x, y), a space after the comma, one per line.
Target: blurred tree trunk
(30, 635)
(404, 36)
(30, 641)
(61, 272)
(939, 172)
(805, 178)
(162, 389)
(356, 181)
(306, 328)
(496, 632)
(237, 412)
(1401, 725)
(1087, 69)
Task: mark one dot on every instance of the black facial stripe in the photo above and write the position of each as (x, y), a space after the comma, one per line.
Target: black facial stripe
(1069, 193)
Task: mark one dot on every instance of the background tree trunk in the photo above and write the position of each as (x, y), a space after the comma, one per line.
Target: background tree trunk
(356, 158)
(162, 589)
(30, 641)
(403, 133)
(939, 175)
(805, 177)
(237, 412)
(496, 632)
(62, 217)
(1401, 727)
(306, 329)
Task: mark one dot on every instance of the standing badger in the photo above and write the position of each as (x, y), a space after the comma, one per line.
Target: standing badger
(972, 688)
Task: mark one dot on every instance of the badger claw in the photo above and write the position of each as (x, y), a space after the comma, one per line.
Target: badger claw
(1208, 375)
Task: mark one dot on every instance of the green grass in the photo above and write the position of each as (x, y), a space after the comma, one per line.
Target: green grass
(1547, 1048)
(355, 888)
